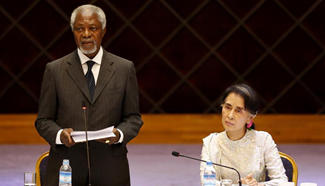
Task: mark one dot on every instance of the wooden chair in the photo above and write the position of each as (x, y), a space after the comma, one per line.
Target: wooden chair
(290, 166)
(40, 168)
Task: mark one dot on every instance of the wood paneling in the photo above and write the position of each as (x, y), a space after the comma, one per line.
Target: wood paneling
(182, 128)
(18, 129)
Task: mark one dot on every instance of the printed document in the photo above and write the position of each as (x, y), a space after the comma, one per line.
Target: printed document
(80, 136)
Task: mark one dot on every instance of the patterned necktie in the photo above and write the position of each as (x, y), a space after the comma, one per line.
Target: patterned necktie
(90, 79)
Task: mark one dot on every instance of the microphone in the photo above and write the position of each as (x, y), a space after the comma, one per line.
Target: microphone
(84, 108)
(177, 154)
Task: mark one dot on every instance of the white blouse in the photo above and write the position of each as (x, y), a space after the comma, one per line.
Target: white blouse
(255, 153)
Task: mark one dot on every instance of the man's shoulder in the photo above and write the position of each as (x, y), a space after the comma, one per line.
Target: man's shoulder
(116, 59)
(64, 59)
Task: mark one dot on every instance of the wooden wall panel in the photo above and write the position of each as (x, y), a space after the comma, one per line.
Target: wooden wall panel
(18, 129)
(182, 128)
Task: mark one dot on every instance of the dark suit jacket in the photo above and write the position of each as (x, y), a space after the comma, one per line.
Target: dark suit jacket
(115, 102)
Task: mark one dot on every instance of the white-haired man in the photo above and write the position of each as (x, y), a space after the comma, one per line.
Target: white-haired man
(106, 84)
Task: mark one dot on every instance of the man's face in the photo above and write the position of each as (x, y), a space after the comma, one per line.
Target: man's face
(88, 33)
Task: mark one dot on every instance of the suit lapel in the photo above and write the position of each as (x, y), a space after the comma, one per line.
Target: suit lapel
(105, 74)
(76, 73)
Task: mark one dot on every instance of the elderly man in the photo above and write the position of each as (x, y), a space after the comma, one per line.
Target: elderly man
(106, 84)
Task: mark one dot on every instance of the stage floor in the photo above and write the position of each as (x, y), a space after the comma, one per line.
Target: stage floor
(155, 166)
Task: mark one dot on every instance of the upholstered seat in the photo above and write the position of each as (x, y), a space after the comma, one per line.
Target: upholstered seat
(40, 168)
(290, 166)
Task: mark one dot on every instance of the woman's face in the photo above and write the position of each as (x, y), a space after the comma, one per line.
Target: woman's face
(234, 115)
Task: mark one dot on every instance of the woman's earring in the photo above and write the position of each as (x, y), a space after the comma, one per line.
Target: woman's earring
(249, 124)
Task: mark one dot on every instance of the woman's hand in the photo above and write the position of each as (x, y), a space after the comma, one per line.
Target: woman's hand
(249, 180)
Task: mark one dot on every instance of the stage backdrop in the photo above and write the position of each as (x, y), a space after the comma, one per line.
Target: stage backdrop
(186, 52)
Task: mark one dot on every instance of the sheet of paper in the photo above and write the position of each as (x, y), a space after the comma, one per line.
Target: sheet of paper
(80, 136)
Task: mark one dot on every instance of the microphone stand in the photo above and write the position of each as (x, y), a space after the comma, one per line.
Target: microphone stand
(84, 108)
(177, 154)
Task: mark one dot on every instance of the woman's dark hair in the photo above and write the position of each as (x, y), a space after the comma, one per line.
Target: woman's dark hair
(251, 100)
(250, 97)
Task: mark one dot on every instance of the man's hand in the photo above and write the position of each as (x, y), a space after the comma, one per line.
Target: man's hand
(111, 140)
(66, 138)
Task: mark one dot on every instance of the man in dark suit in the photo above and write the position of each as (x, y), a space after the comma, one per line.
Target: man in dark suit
(106, 84)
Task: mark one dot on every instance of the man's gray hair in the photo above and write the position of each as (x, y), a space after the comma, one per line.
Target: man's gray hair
(89, 9)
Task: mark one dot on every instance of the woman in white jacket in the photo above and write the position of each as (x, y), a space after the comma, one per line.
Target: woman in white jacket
(251, 152)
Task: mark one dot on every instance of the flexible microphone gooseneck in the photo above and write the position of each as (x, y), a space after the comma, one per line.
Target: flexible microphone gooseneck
(84, 108)
(177, 154)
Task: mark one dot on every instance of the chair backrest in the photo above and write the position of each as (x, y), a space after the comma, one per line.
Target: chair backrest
(290, 166)
(40, 168)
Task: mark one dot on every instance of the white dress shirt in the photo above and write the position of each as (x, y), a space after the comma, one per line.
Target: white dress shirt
(95, 70)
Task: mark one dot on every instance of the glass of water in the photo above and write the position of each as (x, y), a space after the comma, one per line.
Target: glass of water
(29, 179)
